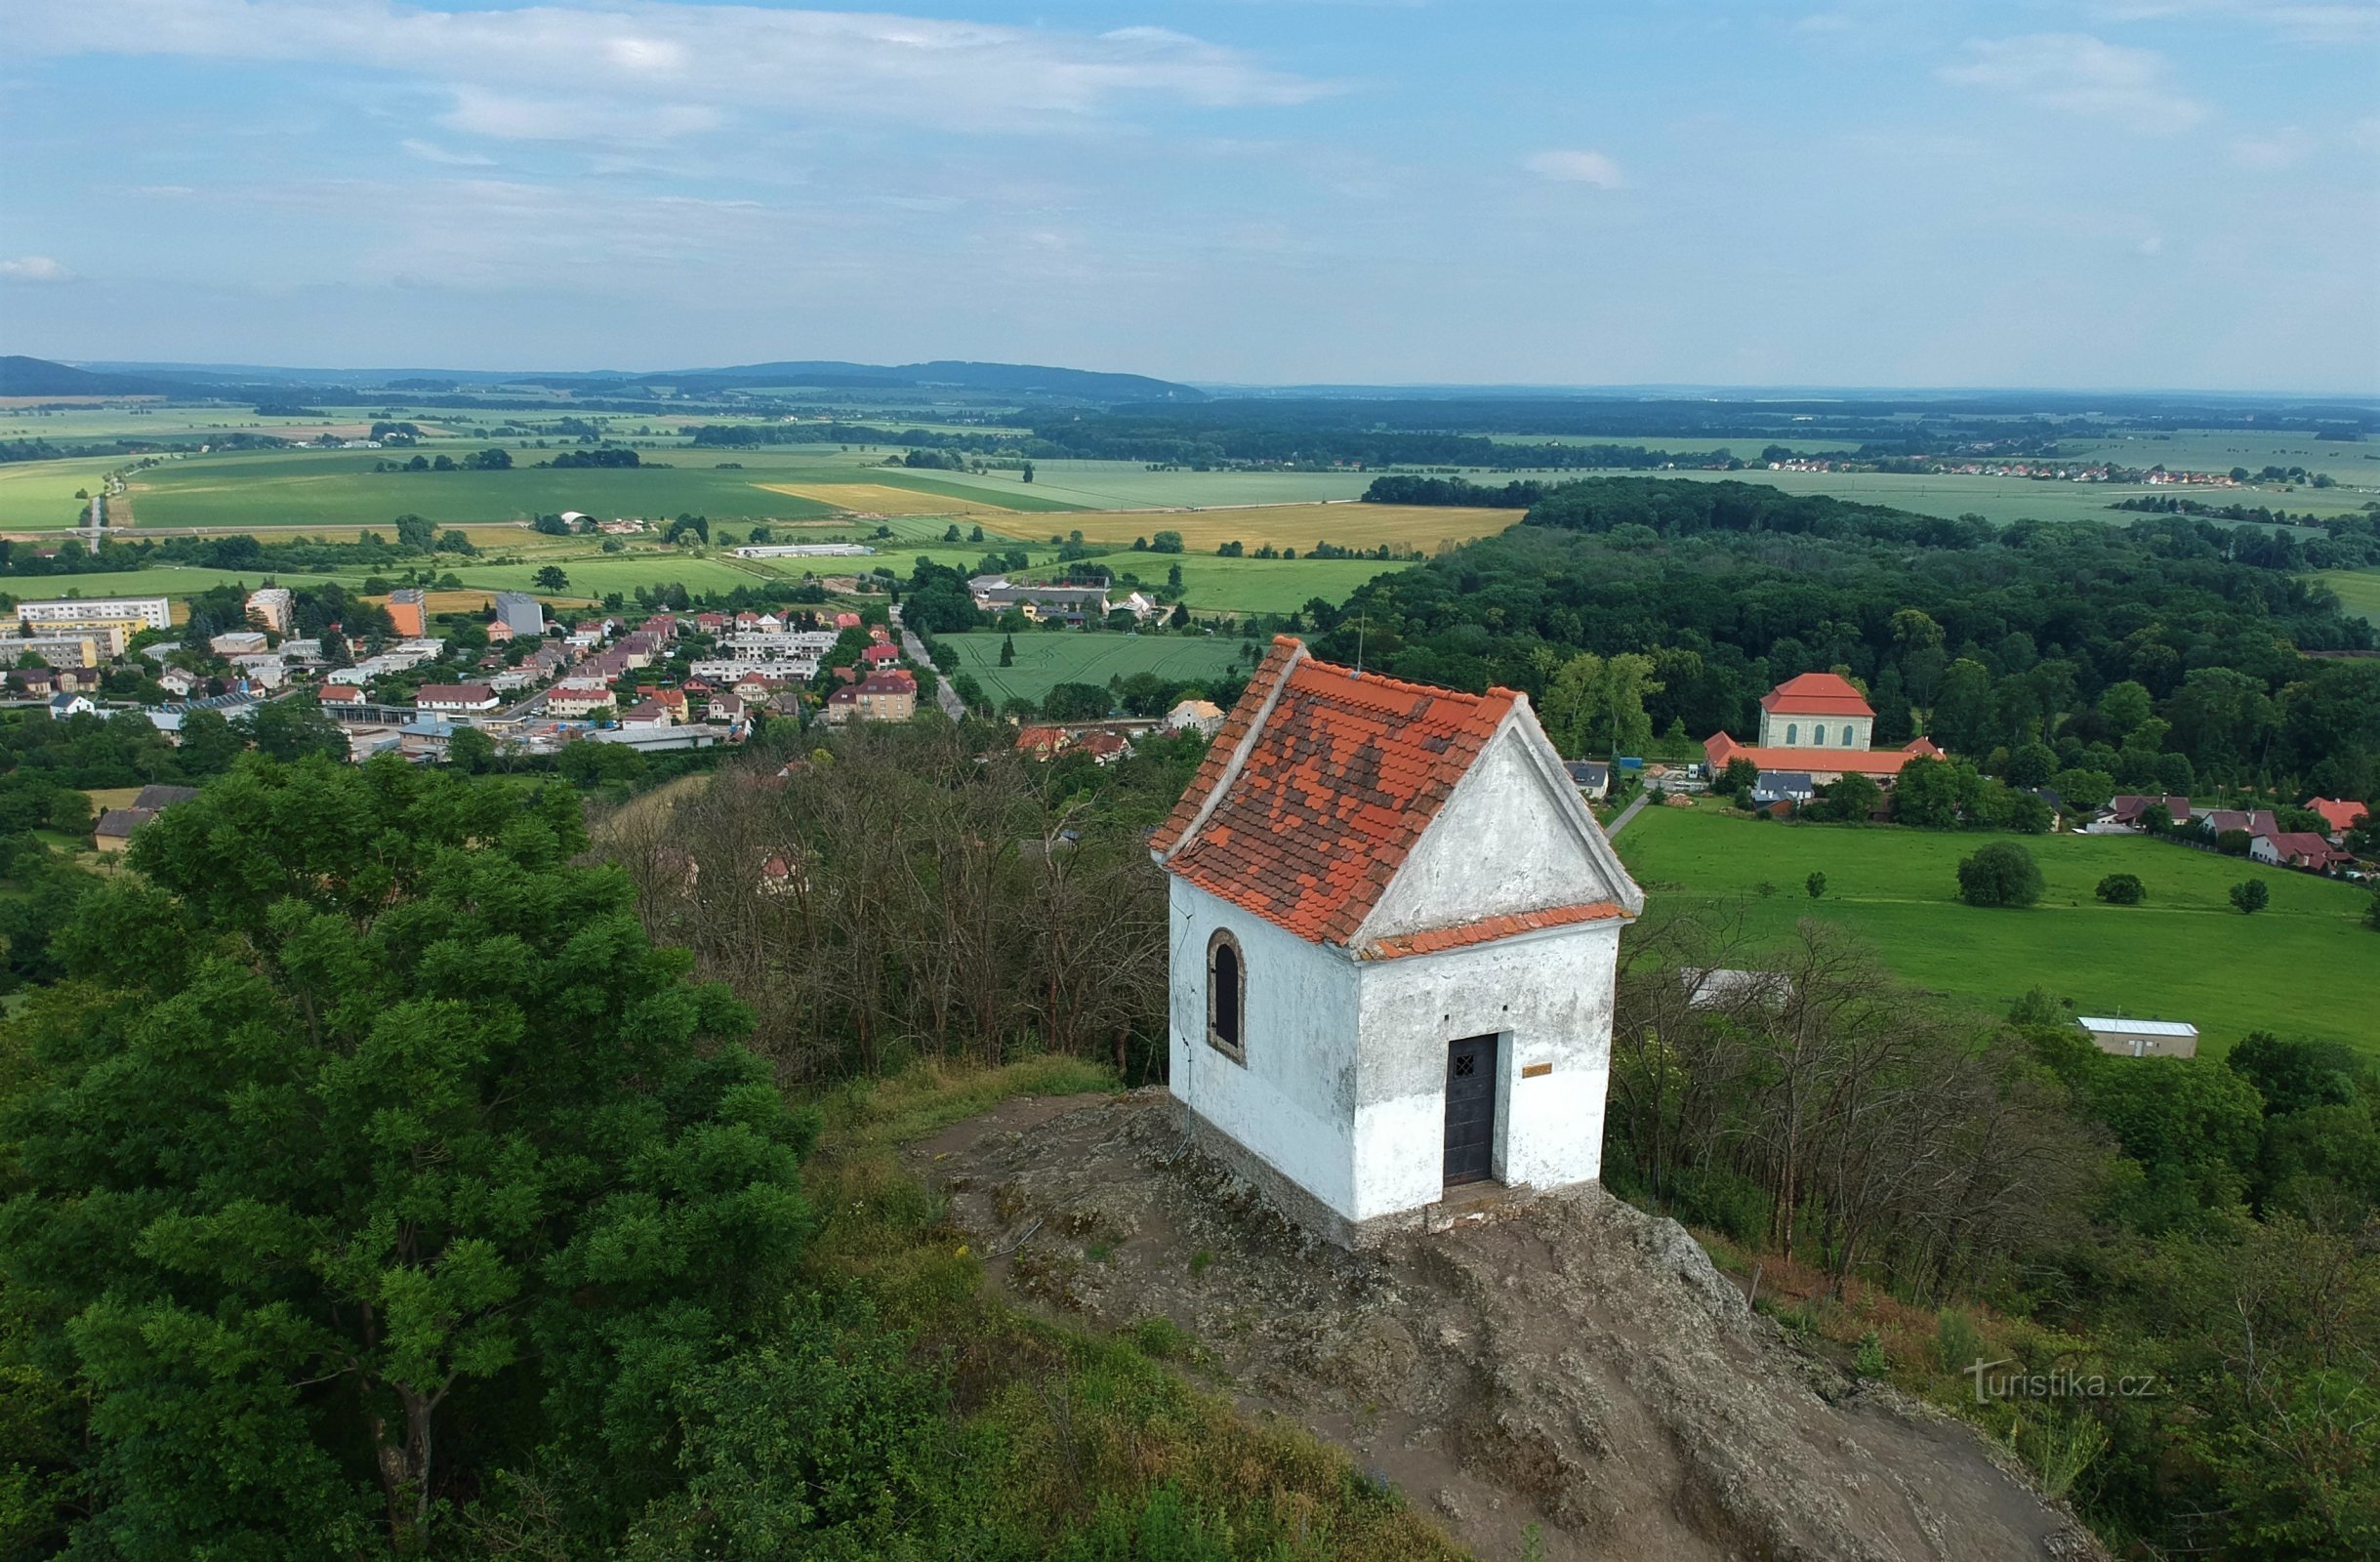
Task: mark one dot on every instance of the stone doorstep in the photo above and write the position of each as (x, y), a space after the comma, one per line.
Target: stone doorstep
(1474, 1202)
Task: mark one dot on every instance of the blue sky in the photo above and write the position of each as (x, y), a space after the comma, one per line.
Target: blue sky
(2096, 193)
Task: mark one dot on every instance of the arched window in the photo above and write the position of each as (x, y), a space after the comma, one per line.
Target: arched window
(1846, 737)
(1792, 733)
(1226, 998)
(1818, 735)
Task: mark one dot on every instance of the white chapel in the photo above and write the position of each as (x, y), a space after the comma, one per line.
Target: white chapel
(1395, 928)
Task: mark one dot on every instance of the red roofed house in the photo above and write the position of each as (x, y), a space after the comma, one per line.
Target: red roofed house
(2338, 816)
(1356, 855)
(1819, 724)
(1042, 742)
(454, 699)
(882, 697)
(881, 655)
(2298, 849)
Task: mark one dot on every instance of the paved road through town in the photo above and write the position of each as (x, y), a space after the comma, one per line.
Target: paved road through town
(915, 649)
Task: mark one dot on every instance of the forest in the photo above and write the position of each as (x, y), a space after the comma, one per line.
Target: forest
(1995, 638)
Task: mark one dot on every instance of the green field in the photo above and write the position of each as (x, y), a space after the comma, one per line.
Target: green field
(2222, 449)
(39, 495)
(2302, 967)
(2358, 589)
(2001, 500)
(1046, 658)
(1214, 584)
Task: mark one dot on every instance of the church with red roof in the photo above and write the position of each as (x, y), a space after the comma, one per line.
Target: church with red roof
(1818, 724)
(1395, 931)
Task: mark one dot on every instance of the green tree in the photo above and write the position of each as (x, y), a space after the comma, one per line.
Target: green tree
(1816, 884)
(295, 728)
(415, 533)
(365, 1101)
(552, 578)
(1008, 650)
(471, 751)
(1962, 711)
(2031, 765)
(2003, 873)
(2251, 896)
(1574, 702)
(1849, 799)
(2125, 706)
(2121, 889)
(1926, 794)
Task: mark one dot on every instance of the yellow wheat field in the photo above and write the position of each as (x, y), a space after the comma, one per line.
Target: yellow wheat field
(882, 499)
(1299, 526)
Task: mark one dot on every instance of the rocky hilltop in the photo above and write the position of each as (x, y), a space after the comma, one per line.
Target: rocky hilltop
(1565, 1370)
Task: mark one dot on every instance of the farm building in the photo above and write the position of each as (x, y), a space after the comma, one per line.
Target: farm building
(1357, 854)
(2141, 1038)
(1202, 716)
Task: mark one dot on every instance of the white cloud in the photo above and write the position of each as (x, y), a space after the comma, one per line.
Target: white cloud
(634, 70)
(2284, 147)
(433, 153)
(2080, 74)
(2300, 20)
(35, 268)
(1576, 168)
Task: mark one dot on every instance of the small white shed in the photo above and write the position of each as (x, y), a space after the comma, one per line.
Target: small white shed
(1395, 928)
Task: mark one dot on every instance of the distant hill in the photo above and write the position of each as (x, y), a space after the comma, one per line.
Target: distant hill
(1008, 378)
(21, 375)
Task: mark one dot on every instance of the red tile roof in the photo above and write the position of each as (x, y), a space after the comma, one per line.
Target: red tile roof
(2340, 815)
(1343, 773)
(1817, 694)
(1719, 748)
(1433, 941)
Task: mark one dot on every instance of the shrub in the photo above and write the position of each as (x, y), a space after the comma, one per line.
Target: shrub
(2252, 896)
(2121, 889)
(2003, 873)
(1816, 884)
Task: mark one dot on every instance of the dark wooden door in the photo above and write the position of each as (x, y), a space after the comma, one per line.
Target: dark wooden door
(1470, 1109)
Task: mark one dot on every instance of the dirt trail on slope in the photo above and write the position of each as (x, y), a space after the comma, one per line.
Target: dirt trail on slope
(1570, 1363)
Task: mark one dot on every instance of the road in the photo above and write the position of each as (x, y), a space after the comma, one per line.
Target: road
(915, 649)
(1627, 814)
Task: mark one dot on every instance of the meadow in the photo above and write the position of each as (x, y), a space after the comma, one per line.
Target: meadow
(39, 495)
(2298, 968)
(1213, 585)
(1046, 658)
(2222, 449)
(1131, 486)
(2001, 500)
(2358, 589)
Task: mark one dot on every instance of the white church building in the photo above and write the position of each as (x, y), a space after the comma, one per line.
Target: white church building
(1395, 928)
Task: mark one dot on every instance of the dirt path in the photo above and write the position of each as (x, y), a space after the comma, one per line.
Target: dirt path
(1573, 1369)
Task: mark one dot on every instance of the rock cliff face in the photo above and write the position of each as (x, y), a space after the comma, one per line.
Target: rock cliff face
(1566, 1362)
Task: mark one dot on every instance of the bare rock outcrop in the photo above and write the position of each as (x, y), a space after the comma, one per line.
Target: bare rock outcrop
(1566, 1362)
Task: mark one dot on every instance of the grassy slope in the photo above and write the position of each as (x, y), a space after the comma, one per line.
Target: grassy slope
(1046, 658)
(2300, 967)
(39, 495)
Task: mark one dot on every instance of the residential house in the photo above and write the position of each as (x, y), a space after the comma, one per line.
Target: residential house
(62, 706)
(264, 670)
(1106, 747)
(576, 699)
(454, 699)
(115, 830)
(157, 796)
(2298, 849)
(879, 697)
(1796, 787)
(2339, 815)
(646, 714)
(2141, 1038)
(2127, 810)
(2216, 823)
(1043, 742)
(726, 708)
(301, 653)
(1592, 779)
(39, 682)
(881, 655)
(178, 682)
(1202, 716)
(341, 694)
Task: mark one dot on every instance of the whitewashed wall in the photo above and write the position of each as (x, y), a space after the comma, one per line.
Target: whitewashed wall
(1548, 997)
(1772, 731)
(1293, 1104)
